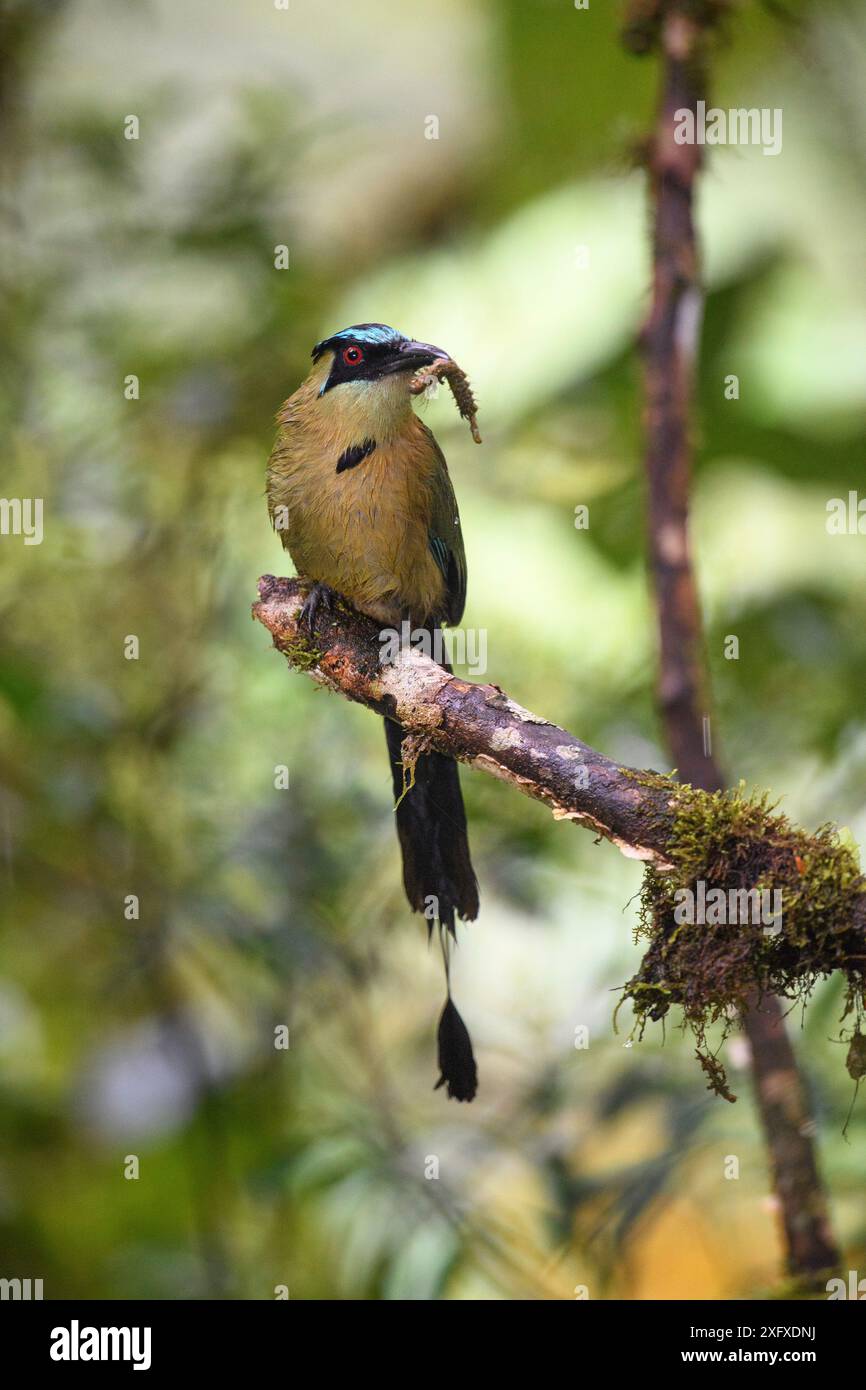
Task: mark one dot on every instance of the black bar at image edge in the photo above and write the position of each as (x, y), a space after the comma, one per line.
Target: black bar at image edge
(151, 1338)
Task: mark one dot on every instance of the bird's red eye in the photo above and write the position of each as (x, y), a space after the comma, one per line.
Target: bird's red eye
(353, 356)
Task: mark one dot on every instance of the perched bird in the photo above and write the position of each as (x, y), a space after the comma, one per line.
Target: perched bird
(359, 491)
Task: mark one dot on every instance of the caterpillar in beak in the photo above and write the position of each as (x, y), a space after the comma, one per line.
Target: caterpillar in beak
(460, 389)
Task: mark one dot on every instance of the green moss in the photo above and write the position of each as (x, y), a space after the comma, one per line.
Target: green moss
(658, 781)
(301, 653)
(712, 968)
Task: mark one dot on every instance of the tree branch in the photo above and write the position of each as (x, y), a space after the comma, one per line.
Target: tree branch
(476, 724)
(669, 344)
(640, 811)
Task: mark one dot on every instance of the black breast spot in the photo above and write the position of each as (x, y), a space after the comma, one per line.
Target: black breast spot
(355, 455)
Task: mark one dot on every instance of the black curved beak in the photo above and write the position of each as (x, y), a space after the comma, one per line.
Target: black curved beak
(412, 355)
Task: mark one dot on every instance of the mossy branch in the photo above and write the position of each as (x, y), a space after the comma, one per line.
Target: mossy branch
(698, 842)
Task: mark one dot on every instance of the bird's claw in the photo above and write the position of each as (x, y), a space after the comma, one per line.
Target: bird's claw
(320, 596)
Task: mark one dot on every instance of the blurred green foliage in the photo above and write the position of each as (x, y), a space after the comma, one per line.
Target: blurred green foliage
(154, 1036)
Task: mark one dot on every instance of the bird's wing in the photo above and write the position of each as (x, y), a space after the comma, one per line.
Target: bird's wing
(445, 536)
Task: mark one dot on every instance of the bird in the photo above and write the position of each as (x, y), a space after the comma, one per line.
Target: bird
(359, 492)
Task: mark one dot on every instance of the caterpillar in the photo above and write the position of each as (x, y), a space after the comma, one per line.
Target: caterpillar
(460, 389)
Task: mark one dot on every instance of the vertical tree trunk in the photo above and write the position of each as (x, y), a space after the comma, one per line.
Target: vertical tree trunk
(669, 345)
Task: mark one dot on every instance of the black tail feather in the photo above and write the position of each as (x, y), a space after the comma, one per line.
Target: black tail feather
(431, 826)
(439, 881)
(456, 1058)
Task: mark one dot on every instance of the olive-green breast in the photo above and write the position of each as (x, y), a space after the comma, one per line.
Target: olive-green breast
(364, 516)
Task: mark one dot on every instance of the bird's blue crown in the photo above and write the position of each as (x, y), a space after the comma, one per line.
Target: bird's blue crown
(371, 334)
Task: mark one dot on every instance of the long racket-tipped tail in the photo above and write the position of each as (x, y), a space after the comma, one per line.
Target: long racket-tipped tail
(439, 880)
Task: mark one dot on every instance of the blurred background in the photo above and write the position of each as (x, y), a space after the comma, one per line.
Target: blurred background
(517, 238)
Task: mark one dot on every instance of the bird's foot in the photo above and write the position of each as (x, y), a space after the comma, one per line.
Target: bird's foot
(320, 596)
